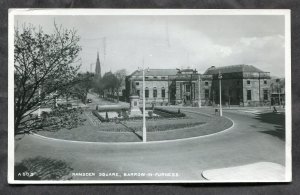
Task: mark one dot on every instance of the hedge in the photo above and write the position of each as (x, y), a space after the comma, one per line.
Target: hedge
(168, 113)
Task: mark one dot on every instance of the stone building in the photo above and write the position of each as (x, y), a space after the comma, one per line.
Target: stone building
(156, 85)
(277, 88)
(243, 85)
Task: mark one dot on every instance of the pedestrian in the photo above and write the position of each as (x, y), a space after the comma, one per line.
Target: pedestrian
(216, 111)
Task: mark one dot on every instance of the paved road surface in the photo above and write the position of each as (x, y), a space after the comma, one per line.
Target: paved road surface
(243, 144)
(97, 101)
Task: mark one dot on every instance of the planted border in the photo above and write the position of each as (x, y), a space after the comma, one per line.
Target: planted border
(95, 113)
(168, 113)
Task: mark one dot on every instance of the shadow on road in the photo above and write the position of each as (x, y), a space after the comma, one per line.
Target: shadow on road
(277, 119)
(41, 168)
(131, 130)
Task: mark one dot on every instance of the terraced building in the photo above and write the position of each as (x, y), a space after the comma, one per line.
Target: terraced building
(243, 85)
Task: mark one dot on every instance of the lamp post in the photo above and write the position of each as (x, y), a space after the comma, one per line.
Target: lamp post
(279, 91)
(144, 106)
(199, 91)
(220, 93)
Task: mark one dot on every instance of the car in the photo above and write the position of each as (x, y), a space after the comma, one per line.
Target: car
(89, 100)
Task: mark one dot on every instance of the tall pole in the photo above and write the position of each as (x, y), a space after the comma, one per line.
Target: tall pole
(220, 93)
(259, 89)
(144, 112)
(39, 111)
(279, 91)
(199, 91)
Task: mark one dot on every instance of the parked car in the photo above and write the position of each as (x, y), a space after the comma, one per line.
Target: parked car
(89, 100)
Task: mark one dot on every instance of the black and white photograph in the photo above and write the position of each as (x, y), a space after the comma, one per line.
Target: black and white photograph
(149, 96)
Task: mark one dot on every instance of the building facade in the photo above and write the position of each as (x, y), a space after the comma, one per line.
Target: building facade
(242, 85)
(277, 88)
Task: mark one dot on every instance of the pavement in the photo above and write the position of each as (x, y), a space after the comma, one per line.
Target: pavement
(261, 171)
(246, 143)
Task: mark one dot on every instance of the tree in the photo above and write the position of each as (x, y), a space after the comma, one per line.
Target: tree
(43, 64)
(81, 89)
(120, 78)
(97, 85)
(109, 82)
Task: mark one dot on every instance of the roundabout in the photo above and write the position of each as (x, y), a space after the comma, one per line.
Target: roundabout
(242, 144)
(194, 124)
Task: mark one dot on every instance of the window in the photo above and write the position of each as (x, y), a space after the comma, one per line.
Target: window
(206, 93)
(163, 93)
(237, 82)
(266, 94)
(146, 93)
(206, 83)
(248, 94)
(163, 78)
(155, 92)
(137, 83)
(138, 92)
(265, 82)
(187, 88)
(248, 82)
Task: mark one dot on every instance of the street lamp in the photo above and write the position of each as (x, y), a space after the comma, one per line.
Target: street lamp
(199, 92)
(144, 105)
(279, 91)
(220, 93)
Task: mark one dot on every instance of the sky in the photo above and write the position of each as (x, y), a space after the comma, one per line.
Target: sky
(197, 42)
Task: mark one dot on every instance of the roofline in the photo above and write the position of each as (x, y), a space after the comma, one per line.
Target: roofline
(153, 69)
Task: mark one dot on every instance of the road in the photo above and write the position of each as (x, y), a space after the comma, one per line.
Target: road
(247, 142)
(97, 101)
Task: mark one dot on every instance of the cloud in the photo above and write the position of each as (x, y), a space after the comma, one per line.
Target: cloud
(176, 41)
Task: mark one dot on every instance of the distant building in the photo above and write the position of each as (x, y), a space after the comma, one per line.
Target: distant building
(156, 82)
(98, 66)
(277, 88)
(243, 85)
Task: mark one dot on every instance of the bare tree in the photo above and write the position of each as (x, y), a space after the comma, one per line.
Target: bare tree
(43, 64)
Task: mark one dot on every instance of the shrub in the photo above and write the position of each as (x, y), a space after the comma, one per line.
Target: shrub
(150, 113)
(168, 113)
(125, 114)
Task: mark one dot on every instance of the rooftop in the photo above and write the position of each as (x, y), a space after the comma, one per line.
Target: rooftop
(156, 72)
(232, 68)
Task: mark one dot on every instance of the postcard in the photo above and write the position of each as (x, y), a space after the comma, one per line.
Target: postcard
(149, 96)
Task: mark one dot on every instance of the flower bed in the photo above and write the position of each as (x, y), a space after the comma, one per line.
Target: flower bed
(102, 119)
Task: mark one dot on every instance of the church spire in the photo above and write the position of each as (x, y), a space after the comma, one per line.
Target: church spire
(98, 67)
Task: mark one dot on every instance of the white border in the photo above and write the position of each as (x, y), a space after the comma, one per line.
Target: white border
(14, 12)
(288, 98)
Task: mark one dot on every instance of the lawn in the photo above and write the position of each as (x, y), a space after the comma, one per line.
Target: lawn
(157, 129)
